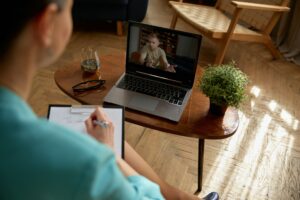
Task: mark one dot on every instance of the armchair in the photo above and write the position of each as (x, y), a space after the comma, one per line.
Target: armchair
(257, 21)
(110, 10)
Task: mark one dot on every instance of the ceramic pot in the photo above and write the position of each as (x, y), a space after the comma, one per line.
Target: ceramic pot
(217, 109)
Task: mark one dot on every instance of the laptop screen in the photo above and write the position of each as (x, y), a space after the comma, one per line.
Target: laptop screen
(162, 53)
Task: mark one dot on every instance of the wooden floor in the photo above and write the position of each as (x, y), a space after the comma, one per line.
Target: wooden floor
(261, 161)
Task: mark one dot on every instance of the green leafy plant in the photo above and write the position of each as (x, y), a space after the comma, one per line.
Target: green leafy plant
(224, 84)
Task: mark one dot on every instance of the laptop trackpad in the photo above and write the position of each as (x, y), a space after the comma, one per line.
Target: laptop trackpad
(143, 102)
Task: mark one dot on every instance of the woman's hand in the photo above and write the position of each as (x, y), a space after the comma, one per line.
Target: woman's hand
(105, 133)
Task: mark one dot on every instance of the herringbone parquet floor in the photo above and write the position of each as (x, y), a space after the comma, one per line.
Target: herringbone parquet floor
(261, 161)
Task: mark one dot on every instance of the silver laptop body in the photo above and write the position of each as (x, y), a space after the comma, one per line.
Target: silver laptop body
(169, 90)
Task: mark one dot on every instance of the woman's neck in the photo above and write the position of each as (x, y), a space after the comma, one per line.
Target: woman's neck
(17, 73)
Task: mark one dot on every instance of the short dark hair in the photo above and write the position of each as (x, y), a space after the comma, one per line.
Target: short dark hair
(154, 35)
(15, 14)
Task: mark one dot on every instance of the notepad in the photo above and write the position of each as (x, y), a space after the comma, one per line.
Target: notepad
(73, 117)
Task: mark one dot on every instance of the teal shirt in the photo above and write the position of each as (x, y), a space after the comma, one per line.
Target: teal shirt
(44, 161)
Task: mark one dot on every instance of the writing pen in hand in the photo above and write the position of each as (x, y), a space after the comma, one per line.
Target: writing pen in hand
(101, 123)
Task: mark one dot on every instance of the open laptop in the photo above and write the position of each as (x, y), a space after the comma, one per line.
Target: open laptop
(157, 80)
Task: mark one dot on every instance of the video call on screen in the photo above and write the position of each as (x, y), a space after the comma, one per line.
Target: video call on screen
(162, 50)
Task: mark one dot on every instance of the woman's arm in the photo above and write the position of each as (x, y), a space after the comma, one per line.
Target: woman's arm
(106, 136)
(125, 168)
(116, 177)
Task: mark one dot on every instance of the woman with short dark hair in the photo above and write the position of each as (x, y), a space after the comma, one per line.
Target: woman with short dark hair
(39, 159)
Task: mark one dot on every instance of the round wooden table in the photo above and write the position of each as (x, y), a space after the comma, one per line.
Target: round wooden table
(195, 122)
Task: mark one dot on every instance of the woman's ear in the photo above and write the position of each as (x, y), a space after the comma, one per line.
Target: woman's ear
(44, 25)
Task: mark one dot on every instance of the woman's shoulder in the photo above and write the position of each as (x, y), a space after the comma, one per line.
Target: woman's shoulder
(62, 157)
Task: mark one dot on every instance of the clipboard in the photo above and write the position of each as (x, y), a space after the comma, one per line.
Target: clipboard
(73, 117)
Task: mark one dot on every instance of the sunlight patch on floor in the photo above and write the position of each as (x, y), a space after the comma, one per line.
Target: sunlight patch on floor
(254, 153)
(289, 119)
(255, 91)
(264, 156)
(286, 116)
(252, 104)
(256, 145)
(279, 156)
(296, 125)
(234, 149)
(280, 132)
(272, 105)
(235, 142)
(219, 170)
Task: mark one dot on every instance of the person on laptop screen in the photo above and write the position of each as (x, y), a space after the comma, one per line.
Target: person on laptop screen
(153, 56)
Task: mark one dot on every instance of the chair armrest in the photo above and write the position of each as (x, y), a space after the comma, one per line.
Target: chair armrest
(259, 6)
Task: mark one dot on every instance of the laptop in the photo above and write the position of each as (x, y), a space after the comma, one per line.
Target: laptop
(160, 71)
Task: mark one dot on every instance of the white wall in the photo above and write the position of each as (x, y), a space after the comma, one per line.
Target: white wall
(134, 39)
(186, 46)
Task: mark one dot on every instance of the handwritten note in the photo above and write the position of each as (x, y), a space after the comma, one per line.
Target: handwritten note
(74, 117)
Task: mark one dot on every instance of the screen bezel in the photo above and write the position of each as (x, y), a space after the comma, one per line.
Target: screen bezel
(161, 75)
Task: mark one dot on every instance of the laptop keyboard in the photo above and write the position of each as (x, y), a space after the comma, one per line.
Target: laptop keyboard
(166, 92)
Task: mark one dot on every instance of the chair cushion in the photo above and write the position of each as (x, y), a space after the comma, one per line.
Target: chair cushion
(102, 2)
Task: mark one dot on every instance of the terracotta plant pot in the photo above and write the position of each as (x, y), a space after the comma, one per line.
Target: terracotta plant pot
(217, 109)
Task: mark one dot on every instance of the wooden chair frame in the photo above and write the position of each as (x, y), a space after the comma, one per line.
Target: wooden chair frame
(119, 28)
(224, 38)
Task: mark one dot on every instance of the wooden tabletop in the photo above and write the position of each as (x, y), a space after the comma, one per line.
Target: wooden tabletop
(196, 121)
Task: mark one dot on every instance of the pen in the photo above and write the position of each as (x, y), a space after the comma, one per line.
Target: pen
(101, 123)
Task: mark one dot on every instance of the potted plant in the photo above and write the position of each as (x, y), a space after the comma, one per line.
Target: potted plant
(225, 86)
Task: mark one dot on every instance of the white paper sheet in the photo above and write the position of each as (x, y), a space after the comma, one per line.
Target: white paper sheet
(74, 117)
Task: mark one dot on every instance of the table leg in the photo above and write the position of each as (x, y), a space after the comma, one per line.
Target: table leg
(200, 164)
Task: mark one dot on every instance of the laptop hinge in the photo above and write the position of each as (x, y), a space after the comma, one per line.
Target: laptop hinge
(159, 77)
